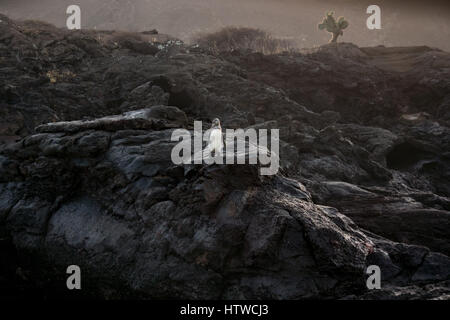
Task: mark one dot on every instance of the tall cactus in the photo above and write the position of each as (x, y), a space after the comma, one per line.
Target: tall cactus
(335, 28)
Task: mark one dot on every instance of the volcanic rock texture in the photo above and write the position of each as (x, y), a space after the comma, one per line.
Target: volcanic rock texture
(86, 178)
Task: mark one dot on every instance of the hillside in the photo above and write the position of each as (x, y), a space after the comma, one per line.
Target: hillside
(405, 23)
(365, 165)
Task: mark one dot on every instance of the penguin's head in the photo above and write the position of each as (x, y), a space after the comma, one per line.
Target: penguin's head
(215, 123)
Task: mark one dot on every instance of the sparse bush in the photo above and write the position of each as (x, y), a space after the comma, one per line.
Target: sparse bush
(240, 38)
(57, 75)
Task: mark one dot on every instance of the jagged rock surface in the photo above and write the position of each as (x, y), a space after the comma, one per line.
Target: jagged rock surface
(86, 176)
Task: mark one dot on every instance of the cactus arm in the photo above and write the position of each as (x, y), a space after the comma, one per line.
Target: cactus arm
(331, 24)
(342, 23)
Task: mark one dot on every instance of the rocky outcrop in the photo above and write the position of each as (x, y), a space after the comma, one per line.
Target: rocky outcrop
(104, 193)
(86, 176)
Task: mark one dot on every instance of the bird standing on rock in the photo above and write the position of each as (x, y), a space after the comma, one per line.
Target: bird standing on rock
(215, 143)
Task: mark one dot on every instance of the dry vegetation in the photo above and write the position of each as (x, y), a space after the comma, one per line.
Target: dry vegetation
(240, 38)
(60, 76)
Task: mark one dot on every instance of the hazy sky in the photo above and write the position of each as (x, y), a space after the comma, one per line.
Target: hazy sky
(403, 22)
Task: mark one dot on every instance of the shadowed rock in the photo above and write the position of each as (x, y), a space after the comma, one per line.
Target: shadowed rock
(86, 173)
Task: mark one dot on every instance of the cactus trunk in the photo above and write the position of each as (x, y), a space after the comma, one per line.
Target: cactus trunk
(335, 37)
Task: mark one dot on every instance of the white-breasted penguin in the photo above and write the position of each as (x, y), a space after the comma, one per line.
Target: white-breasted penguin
(215, 143)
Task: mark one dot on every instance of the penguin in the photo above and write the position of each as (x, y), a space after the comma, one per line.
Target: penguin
(215, 142)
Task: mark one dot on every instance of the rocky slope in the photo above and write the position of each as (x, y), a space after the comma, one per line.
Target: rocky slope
(363, 180)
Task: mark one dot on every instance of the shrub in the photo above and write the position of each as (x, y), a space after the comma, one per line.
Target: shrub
(240, 38)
